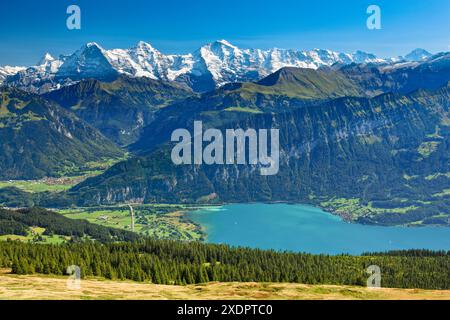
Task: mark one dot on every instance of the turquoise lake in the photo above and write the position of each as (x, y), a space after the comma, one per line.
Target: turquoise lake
(302, 228)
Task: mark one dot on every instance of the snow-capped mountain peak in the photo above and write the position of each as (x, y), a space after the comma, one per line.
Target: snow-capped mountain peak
(145, 46)
(47, 58)
(224, 42)
(221, 48)
(417, 55)
(47, 65)
(89, 61)
(7, 71)
(364, 57)
(212, 65)
(92, 45)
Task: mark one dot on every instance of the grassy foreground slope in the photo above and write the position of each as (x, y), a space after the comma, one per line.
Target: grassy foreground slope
(51, 287)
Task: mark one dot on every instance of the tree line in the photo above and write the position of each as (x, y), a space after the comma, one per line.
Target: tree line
(18, 222)
(181, 263)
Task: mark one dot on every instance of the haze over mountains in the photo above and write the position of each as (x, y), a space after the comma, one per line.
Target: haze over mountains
(209, 67)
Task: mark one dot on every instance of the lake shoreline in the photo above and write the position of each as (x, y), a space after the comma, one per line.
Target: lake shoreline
(313, 224)
(345, 216)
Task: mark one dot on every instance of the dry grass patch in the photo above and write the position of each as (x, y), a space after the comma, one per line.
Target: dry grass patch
(32, 287)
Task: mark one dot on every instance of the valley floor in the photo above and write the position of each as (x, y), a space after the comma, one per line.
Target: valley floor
(55, 288)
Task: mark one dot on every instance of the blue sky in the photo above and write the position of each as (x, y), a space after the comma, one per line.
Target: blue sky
(29, 28)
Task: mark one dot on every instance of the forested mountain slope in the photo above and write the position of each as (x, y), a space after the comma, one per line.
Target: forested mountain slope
(39, 138)
(121, 108)
(391, 151)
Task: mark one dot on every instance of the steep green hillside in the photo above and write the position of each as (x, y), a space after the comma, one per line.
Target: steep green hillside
(39, 138)
(285, 90)
(119, 109)
(300, 83)
(389, 155)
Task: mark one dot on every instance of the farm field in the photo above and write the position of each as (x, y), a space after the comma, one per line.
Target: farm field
(36, 234)
(65, 180)
(159, 221)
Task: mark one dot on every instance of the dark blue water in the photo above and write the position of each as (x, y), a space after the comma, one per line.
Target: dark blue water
(303, 228)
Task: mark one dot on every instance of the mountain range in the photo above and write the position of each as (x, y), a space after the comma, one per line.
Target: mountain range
(369, 141)
(388, 155)
(124, 107)
(209, 67)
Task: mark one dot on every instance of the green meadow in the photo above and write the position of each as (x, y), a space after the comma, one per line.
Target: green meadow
(159, 221)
